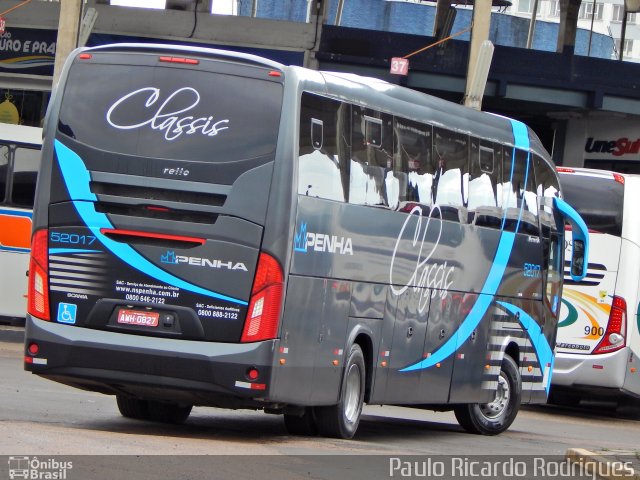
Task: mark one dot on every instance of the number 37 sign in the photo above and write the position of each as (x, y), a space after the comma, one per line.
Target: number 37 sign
(399, 66)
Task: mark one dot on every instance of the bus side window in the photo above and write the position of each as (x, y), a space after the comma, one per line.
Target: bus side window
(546, 188)
(4, 170)
(321, 170)
(412, 166)
(529, 223)
(25, 173)
(484, 177)
(371, 157)
(451, 177)
(518, 192)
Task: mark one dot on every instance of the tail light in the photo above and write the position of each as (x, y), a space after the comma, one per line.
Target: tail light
(263, 316)
(614, 337)
(38, 294)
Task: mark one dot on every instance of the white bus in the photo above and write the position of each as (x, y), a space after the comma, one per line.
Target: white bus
(19, 161)
(598, 340)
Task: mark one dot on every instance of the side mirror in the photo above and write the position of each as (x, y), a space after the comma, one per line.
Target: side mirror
(577, 259)
(580, 239)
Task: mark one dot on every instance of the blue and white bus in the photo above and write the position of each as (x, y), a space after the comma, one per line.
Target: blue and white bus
(217, 229)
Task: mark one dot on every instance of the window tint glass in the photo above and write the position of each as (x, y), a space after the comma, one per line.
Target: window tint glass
(413, 167)
(371, 158)
(518, 192)
(25, 172)
(323, 161)
(529, 218)
(484, 178)
(546, 189)
(598, 200)
(4, 170)
(451, 177)
(553, 254)
(172, 113)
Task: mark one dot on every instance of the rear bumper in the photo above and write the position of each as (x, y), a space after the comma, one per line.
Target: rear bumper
(601, 371)
(185, 371)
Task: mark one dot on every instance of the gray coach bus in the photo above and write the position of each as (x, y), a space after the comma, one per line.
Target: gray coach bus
(213, 228)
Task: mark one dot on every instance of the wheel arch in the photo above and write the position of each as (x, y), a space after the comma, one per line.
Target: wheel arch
(513, 350)
(363, 336)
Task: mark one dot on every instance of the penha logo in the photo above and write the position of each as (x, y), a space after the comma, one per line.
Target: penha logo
(173, 115)
(169, 257)
(172, 259)
(304, 241)
(300, 239)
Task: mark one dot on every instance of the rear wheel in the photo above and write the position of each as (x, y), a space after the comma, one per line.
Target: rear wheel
(341, 420)
(304, 424)
(168, 412)
(496, 416)
(131, 407)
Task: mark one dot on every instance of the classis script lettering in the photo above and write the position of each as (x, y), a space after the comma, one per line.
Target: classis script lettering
(170, 115)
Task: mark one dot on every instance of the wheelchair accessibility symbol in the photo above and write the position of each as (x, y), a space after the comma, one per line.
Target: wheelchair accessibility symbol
(67, 312)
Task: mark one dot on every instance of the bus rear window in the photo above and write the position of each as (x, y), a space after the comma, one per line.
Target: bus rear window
(171, 113)
(598, 200)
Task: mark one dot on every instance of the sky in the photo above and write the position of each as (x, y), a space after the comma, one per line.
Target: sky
(218, 6)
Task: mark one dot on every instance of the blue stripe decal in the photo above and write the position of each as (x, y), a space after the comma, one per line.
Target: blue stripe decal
(492, 283)
(58, 251)
(16, 213)
(520, 134)
(543, 350)
(14, 249)
(479, 308)
(77, 178)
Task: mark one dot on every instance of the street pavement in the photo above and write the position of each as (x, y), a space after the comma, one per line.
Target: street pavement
(611, 464)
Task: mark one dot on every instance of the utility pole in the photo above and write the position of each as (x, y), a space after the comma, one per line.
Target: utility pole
(68, 30)
(479, 56)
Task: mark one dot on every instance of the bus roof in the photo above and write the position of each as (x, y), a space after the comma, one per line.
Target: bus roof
(20, 134)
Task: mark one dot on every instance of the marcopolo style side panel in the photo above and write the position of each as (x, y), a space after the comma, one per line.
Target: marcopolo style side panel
(312, 341)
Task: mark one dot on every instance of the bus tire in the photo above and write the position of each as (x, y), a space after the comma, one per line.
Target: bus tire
(496, 416)
(131, 407)
(304, 425)
(164, 412)
(341, 420)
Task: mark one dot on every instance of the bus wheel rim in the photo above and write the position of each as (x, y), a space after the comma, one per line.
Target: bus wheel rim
(352, 394)
(496, 408)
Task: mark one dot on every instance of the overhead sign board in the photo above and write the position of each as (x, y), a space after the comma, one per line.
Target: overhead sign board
(399, 66)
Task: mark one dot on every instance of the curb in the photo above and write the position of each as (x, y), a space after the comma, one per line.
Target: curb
(611, 465)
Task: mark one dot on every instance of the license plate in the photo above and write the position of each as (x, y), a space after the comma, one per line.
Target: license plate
(136, 317)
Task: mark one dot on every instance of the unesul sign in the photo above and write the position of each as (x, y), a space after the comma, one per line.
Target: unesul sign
(619, 140)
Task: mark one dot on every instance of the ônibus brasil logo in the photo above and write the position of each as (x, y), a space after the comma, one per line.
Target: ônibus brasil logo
(38, 469)
(172, 259)
(304, 241)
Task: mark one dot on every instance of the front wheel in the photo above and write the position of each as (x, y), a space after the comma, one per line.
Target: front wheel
(341, 420)
(496, 416)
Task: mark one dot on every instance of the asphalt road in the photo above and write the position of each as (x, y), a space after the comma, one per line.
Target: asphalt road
(40, 417)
